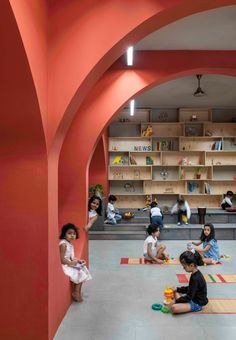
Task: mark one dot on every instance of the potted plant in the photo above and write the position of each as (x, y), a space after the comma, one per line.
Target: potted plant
(198, 173)
(96, 189)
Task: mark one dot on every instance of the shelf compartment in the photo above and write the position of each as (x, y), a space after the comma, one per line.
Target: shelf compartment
(118, 158)
(126, 187)
(208, 201)
(161, 173)
(193, 129)
(165, 144)
(165, 201)
(224, 172)
(122, 130)
(163, 187)
(195, 187)
(186, 114)
(130, 173)
(220, 129)
(126, 201)
(173, 158)
(198, 143)
(141, 115)
(190, 172)
(229, 144)
(145, 158)
(164, 129)
(221, 187)
(130, 144)
(220, 158)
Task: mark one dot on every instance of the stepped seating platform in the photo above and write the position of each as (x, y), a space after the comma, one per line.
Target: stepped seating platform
(135, 228)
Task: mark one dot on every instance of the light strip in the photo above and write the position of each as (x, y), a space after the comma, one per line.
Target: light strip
(130, 52)
(131, 107)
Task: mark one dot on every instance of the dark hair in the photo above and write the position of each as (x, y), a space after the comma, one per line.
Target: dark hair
(67, 227)
(181, 201)
(189, 257)
(99, 209)
(152, 228)
(154, 204)
(229, 193)
(112, 198)
(211, 236)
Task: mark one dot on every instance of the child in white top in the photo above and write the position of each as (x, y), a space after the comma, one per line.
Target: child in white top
(72, 267)
(156, 215)
(227, 201)
(182, 208)
(94, 209)
(112, 212)
(152, 250)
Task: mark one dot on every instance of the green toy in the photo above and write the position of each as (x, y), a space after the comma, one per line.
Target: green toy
(165, 309)
(157, 306)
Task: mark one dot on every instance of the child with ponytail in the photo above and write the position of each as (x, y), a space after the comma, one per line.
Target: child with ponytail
(190, 298)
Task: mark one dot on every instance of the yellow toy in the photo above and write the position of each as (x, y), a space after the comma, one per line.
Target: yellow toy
(148, 131)
(169, 295)
(184, 219)
(117, 160)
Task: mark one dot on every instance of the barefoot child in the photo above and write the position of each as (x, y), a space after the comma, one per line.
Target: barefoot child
(74, 268)
(210, 252)
(190, 298)
(152, 250)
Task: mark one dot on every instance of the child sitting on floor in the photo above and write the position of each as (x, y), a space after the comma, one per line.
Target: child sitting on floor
(156, 215)
(227, 201)
(183, 211)
(210, 252)
(112, 213)
(152, 250)
(190, 298)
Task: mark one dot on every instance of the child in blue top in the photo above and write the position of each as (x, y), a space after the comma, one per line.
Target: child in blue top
(210, 251)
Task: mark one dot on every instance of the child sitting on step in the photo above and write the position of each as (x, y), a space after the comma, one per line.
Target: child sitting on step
(183, 211)
(210, 252)
(227, 201)
(152, 249)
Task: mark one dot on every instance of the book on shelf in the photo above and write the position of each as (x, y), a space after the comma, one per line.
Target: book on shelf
(207, 188)
(217, 145)
(165, 145)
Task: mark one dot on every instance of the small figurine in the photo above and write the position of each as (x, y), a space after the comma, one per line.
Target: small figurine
(147, 132)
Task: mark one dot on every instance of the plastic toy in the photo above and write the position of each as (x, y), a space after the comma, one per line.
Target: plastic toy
(165, 309)
(157, 306)
(169, 295)
(147, 132)
(184, 219)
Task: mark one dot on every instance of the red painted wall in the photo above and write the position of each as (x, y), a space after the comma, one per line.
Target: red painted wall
(23, 194)
(51, 62)
(98, 172)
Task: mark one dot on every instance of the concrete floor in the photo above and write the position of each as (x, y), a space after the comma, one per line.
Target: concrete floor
(117, 302)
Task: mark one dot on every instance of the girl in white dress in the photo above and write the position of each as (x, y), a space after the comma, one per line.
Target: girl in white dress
(72, 267)
(94, 209)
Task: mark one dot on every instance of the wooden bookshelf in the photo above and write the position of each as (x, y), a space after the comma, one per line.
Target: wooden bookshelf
(189, 152)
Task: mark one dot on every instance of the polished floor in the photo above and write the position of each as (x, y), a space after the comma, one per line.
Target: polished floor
(117, 302)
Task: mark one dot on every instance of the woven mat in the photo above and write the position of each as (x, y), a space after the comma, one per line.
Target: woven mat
(210, 278)
(142, 260)
(219, 306)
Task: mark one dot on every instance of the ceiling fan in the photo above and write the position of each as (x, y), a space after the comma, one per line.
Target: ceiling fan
(199, 92)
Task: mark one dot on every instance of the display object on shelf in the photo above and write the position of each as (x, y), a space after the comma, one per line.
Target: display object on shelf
(190, 155)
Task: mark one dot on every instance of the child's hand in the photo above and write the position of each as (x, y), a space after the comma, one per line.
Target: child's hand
(174, 289)
(74, 262)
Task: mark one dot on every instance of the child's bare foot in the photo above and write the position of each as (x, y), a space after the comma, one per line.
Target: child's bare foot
(77, 297)
(159, 261)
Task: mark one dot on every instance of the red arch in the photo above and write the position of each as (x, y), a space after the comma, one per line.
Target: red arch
(70, 81)
(110, 94)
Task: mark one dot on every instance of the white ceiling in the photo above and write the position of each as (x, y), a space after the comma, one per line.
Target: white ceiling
(209, 30)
